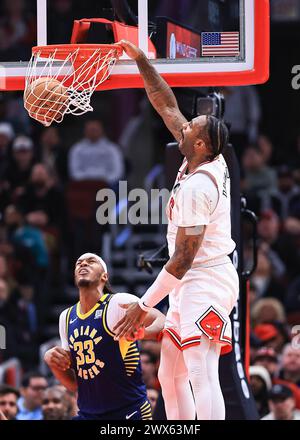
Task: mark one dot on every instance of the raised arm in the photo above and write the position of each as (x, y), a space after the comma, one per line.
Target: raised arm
(159, 93)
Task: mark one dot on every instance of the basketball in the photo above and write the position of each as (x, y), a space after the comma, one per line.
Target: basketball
(45, 100)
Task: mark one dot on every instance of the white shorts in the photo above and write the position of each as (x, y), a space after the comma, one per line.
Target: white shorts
(201, 305)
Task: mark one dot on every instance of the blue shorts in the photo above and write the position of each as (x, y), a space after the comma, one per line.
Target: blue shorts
(140, 411)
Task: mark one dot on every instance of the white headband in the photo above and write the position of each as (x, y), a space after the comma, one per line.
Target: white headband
(90, 255)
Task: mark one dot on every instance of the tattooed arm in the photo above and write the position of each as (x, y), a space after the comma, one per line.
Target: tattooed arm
(159, 93)
(188, 242)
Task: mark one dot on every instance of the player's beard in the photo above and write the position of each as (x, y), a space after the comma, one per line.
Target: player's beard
(87, 282)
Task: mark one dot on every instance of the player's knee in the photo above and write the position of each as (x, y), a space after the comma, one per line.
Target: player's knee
(196, 366)
(163, 376)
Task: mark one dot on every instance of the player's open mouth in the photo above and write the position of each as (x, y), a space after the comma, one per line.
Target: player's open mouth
(83, 272)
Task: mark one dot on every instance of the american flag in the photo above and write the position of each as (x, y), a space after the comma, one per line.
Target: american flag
(225, 44)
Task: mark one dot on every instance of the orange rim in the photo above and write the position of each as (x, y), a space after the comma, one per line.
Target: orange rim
(62, 51)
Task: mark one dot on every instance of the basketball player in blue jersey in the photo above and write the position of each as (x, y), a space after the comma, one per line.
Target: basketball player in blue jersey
(106, 372)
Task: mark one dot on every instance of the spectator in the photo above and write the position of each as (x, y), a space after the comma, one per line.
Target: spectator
(282, 404)
(54, 404)
(268, 226)
(25, 236)
(43, 202)
(152, 396)
(261, 384)
(95, 157)
(8, 401)
(264, 279)
(260, 179)
(267, 310)
(255, 346)
(252, 294)
(5, 273)
(17, 32)
(292, 302)
(26, 326)
(153, 346)
(266, 147)
(149, 369)
(33, 387)
(243, 113)
(7, 320)
(6, 136)
(279, 245)
(12, 110)
(287, 194)
(3, 267)
(19, 168)
(71, 398)
(290, 364)
(271, 335)
(138, 144)
(54, 154)
(267, 358)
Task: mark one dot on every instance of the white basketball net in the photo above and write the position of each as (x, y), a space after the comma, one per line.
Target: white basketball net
(79, 80)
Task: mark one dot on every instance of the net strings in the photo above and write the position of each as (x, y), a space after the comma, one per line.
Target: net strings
(80, 78)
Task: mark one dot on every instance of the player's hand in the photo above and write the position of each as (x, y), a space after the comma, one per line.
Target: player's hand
(2, 416)
(137, 335)
(130, 49)
(58, 358)
(131, 322)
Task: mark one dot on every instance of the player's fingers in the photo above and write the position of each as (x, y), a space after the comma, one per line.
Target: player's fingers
(119, 323)
(63, 357)
(120, 331)
(127, 329)
(60, 359)
(61, 351)
(57, 363)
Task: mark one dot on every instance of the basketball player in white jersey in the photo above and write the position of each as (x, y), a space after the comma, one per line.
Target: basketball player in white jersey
(199, 277)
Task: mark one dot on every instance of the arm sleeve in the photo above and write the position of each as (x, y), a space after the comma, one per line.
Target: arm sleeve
(195, 202)
(63, 330)
(114, 311)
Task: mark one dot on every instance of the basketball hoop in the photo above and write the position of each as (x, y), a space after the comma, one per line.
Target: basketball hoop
(61, 79)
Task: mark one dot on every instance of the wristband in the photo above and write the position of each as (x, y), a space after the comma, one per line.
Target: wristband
(143, 306)
(162, 286)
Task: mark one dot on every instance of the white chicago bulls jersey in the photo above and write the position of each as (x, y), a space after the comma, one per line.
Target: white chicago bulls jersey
(203, 198)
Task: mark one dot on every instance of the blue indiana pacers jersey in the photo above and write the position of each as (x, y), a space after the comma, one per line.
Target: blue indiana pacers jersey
(108, 372)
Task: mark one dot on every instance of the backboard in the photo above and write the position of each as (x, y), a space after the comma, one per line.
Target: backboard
(190, 42)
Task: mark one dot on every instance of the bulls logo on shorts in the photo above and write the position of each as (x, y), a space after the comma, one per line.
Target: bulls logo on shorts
(213, 325)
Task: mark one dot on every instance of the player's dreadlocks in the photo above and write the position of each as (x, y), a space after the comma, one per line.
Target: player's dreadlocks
(218, 135)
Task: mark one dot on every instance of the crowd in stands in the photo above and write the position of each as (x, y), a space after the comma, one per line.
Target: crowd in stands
(39, 237)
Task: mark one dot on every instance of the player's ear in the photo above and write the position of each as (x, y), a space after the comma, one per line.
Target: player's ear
(199, 144)
(104, 277)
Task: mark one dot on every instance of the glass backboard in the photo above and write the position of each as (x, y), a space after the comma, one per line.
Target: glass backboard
(190, 42)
